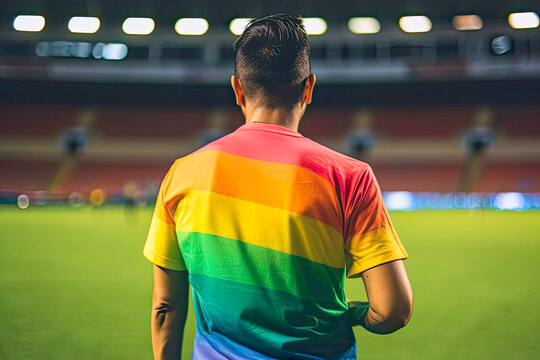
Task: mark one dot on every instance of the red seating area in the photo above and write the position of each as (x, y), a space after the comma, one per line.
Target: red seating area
(421, 123)
(524, 177)
(236, 117)
(148, 123)
(16, 120)
(326, 123)
(426, 177)
(25, 175)
(111, 176)
(322, 124)
(518, 121)
(434, 177)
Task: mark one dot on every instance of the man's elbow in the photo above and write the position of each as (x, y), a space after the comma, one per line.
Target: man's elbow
(394, 318)
(161, 308)
(398, 317)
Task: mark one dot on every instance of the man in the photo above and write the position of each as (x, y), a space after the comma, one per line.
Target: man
(265, 223)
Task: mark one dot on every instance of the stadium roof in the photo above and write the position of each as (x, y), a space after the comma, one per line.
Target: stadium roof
(220, 12)
(57, 77)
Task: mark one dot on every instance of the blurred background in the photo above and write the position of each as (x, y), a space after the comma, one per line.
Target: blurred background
(98, 98)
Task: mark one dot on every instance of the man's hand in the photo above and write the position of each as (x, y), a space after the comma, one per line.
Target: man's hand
(357, 311)
(390, 299)
(169, 311)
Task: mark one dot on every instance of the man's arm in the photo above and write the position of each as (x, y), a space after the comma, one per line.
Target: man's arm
(390, 299)
(169, 311)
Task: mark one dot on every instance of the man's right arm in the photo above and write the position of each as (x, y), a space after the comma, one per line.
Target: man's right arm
(169, 312)
(390, 299)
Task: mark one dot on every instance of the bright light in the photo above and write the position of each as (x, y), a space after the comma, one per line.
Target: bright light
(314, 25)
(364, 25)
(83, 24)
(32, 23)
(467, 22)
(191, 26)
(524, 20)
(238, 25)
(509, 201)
(75, 199)
(97, 197)
(23, 201)
(138, 26)
(112, 51)
(415, 24)
(399, 200)
(501, 45)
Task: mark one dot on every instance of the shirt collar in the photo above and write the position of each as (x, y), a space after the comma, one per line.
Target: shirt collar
(277, 129)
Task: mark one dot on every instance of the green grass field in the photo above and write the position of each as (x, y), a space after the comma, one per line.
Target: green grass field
(74, 285)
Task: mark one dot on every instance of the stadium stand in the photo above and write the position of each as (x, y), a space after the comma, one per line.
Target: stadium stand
(25, 175)
(111, 176)
(36, 120)
(422, 123)
(426, 177)
(417, 148)
(122, 123)
(514, 176)
(326, 123)
(517, 121)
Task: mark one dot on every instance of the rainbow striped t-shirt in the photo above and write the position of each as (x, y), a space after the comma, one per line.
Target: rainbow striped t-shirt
(268, 223)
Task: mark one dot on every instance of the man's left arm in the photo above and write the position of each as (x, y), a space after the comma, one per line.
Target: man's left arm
(169, 311)
(374, 251)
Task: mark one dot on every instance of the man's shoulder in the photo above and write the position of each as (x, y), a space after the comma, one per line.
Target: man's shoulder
(300, 151)
(340, 162)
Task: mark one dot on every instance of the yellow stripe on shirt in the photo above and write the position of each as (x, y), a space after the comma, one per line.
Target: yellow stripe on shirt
(283, 186)
(162, 240)
(372, 249)
(261, 225)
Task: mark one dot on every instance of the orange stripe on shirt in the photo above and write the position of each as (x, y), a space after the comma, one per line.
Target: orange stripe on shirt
(279, 185)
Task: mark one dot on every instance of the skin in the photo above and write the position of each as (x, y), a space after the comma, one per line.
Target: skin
(390, 299)
(289, 118)
(169, 312)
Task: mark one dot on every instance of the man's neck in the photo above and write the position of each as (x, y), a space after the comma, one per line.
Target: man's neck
(281, 117)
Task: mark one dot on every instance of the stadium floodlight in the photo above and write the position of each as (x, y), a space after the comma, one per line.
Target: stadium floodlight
(314, 25)
(114, 51)
(524, 20)
(83, 24)
(415, 24)
(501, 45)
(509, 201)
(191, 26)
(29, 23)
(238, 25)
(399, 200)
(97, 197)
(23, 201)
(467, 22)
(364, 25)
(138, 26)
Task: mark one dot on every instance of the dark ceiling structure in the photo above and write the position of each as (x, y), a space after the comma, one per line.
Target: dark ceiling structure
(388, 68)
(220, 13)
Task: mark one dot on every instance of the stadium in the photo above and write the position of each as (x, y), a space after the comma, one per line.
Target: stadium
(97, 100)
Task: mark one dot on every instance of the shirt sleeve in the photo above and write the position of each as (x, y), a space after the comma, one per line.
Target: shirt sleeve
(161, 246)
(371, 239)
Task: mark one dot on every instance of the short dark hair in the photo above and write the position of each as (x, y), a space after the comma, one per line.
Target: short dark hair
(272, 60)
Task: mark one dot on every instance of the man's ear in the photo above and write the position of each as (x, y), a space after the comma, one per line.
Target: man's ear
(308, 89)
(238, 91)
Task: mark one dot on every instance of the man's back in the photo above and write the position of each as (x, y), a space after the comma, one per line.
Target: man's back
(267, 223)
